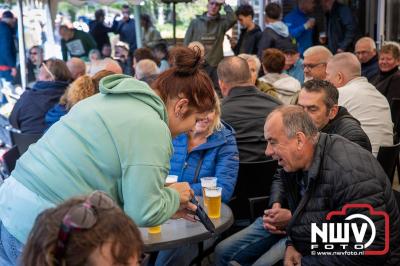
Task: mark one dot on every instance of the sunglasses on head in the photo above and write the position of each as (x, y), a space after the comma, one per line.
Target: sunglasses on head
(215, 4)
(48, 70)
(80, 217)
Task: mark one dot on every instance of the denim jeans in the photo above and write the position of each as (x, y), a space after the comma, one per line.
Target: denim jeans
(248, 246)
(10, 248)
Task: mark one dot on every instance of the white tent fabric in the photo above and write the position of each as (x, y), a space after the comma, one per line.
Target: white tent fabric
(52, 6)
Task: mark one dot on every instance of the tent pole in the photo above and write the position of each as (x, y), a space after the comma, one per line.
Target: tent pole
(174, 21)
(137, 26)
(21, 44)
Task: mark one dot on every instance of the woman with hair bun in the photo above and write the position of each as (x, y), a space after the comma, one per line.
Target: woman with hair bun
(117, 141)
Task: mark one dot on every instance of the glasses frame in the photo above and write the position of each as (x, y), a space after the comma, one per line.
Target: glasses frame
(312, 66)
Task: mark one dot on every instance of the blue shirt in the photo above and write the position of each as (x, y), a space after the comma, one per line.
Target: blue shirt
(297, 71)
(295, 21)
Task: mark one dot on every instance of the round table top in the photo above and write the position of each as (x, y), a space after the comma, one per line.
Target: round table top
(175, 233)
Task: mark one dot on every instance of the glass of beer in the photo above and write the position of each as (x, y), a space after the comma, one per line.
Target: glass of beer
(154, 229)
(213, 199)
(171, 179)
(210, 182)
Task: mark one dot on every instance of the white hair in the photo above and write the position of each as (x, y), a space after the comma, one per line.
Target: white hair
(368, 40)
(320, 50)
(145, 68)
(105, 64)
(255, 59)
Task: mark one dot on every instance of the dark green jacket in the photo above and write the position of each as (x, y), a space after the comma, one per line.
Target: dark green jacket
(210, 32)
(79, 46)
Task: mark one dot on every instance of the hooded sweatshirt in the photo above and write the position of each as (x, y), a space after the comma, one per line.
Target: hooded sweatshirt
(117, 141)
(275, 35)
(287, 87)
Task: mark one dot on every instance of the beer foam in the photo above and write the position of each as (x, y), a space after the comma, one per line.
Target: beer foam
(209, 182)
(211, 193)
(171, 179)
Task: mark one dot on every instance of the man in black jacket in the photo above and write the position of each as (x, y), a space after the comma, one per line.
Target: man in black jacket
(319, 99)
(244, 107)
(342, 29)
(324, 173)
(98, 30)
(249, 34)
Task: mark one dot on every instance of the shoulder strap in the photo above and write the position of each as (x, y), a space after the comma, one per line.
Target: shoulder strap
(199, 163)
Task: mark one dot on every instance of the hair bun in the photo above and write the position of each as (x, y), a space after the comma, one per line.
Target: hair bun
(187, 61)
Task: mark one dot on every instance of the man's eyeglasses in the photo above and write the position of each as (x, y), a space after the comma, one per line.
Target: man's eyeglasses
(80, 217)
(33, 53)
(311, 66)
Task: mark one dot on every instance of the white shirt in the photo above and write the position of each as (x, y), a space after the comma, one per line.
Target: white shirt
(371, 108)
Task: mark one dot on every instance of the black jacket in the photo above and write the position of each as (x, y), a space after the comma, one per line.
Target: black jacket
(370, 69)
(388, 83)
(248, 41)
(270, 39)
(29, 112)
(345, 125)
(245, 109)
(341, 173)
(99, 32)
(342, 29)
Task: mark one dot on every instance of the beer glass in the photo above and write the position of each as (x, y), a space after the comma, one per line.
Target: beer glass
(154, 229)
(171, 179)
(168, 181)
(209, 182)
(213, 199)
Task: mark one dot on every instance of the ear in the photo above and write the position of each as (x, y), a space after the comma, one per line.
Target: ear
(223, 88)
(333, 112)
(181, 107)
(301, 140)
(341, 78)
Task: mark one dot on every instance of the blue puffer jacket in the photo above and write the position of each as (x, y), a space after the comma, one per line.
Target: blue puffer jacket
(221, 159)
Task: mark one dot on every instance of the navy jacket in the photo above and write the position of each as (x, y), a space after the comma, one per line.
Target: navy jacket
(127, 32)
(342, 29)
(370, 69)
(220, 159)
(30, 110)
(8, 55)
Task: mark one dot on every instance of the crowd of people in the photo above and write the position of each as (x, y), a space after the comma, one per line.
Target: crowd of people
(116, 120)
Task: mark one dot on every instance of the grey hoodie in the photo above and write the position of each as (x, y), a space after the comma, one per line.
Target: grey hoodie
(280, 28)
